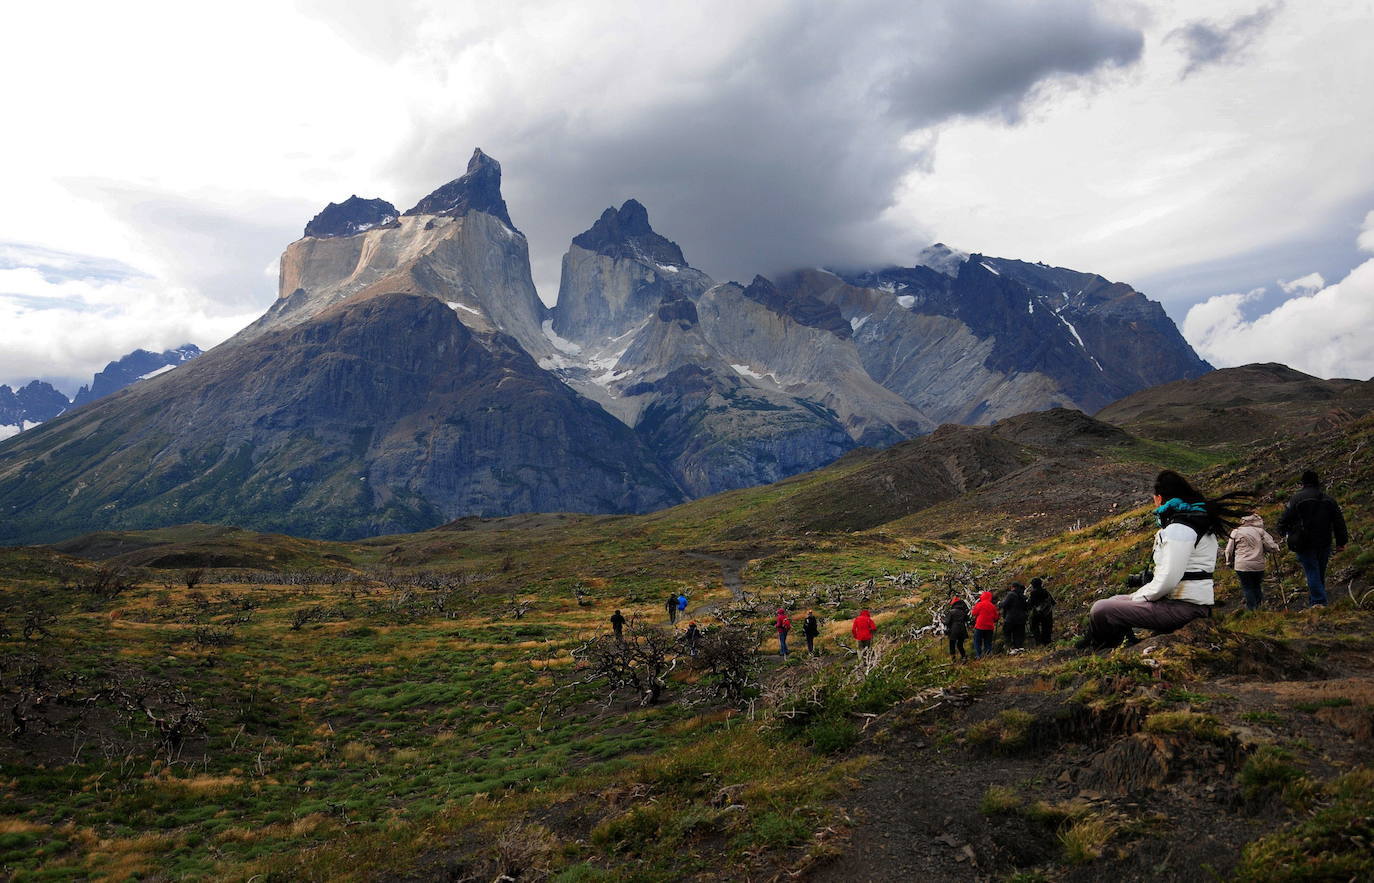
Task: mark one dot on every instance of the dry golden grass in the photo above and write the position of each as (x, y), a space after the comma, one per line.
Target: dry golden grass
(20, 826)
(206, 785)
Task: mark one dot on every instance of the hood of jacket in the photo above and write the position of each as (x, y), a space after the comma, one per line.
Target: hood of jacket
(1252, 520)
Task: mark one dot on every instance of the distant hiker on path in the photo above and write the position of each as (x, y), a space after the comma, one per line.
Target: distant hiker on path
(671, 605)
(1245, 555)
(1185, 553)
(956, 626)
(1308, 524)
(1041, 604)
(618, 625)
(681, 603)
(692, 638)
(783, 625)
(984, 614)
(811, 628)
(863, 629)
(1014, 613)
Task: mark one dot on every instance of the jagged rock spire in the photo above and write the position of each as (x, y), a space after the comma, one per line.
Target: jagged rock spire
(478, 190)
(625, 233)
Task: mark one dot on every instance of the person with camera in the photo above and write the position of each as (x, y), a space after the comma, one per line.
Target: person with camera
(1179, 587)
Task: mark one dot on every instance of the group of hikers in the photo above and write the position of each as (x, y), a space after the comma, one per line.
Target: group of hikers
(862, 628)
(1174, 591)
(1016, 610)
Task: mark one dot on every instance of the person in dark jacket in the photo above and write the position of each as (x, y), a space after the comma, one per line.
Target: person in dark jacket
(618, 625)
(984, 615)
(671, 606)
(811, 629)
(1014, 613)
(1309, 523)
(956, 626)
(1041, 604)
(692, 639)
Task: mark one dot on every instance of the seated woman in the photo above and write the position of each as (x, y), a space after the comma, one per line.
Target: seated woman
(1185, 554)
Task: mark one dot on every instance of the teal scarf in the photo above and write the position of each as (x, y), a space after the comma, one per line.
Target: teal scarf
(1177, 505)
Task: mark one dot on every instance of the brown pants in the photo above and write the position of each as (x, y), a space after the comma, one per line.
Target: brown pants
(1111, 618)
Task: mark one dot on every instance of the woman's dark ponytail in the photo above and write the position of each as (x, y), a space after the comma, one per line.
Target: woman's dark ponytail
(1223, 513)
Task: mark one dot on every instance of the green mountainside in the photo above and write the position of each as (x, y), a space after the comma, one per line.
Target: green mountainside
(205, 702)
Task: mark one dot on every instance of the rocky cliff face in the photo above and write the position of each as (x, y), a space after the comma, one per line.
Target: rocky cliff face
(456, 245)
(729, 385)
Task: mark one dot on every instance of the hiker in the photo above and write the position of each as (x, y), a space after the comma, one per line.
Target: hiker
(984, 615)
(1245, 555)
(618, 625)
(1308, 524)
(681, 603)
(956, 626)
(783, 625)
(1014, 612)
(811, 629)
(863, 629)
(692, 638)
(672, 609)
(1041, 604)
(1179, 589)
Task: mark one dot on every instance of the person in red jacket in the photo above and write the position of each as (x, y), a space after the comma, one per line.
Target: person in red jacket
(784, 625)
(984, 622)
(863, 629)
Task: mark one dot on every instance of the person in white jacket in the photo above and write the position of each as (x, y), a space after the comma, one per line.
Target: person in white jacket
(1245, 555)
(1185, 554)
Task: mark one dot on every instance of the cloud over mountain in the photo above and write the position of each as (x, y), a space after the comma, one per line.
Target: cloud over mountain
(1321, 329)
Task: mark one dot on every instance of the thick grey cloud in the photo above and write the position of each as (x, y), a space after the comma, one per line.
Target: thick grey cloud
(780, 149)
(1208, 42)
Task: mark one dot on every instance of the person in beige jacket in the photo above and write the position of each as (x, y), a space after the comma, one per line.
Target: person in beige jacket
(1245, 554)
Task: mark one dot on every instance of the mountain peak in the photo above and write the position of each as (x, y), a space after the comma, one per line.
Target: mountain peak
(625, 233)
(479, 189)
(352, 216)
(942, 259)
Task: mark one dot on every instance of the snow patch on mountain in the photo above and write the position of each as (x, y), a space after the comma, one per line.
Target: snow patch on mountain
(561, 344)
(151, 374)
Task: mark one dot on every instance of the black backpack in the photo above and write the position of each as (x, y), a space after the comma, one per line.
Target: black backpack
(1297, 538)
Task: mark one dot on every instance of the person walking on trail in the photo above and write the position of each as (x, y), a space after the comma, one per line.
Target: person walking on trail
(984, 615)
(783, 625)
(671, 605)
(692, 639)
(1245, 555)
(863, 629)
(681, 603)
(618, 625)
(1179, 589)
(1309, 523)
(1041, 604)
(811, 629)
(956, 626)
(1014, 612)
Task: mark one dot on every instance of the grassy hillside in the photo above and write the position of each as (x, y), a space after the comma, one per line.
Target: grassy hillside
(203, 702)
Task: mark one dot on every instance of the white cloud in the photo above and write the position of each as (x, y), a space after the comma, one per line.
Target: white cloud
(1366, 238)
(62, 321)
(1321, 329)
(1308, 284)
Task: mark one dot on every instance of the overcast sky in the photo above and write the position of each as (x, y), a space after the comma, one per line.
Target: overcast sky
(1214, 154)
